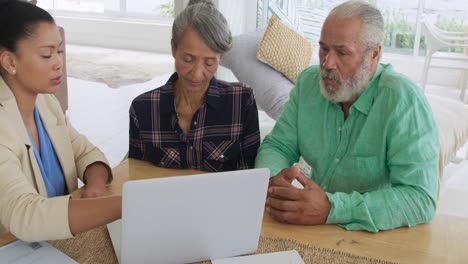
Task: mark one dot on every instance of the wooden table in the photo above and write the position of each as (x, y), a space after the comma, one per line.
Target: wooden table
(441, 241)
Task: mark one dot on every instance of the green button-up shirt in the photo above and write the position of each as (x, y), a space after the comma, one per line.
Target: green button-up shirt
(378, 167)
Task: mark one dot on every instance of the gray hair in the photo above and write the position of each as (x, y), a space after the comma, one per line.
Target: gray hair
(203, 17)
(372, 20)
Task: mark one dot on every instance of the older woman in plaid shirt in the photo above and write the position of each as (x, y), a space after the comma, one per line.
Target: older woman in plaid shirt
(194, 120)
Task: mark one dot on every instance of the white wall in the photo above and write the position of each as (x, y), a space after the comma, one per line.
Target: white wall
(240, 14)
(148, 36)
(122, 34)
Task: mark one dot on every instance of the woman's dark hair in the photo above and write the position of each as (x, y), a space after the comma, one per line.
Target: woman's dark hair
(18, 20)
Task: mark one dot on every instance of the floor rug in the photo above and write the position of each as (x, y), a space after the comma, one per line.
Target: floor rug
(116, 68)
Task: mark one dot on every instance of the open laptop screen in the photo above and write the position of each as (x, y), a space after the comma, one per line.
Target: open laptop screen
(193, 218)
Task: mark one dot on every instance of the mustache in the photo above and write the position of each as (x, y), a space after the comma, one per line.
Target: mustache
(330, 74)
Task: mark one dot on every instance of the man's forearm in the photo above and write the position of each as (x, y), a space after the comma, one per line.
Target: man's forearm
(382, 209)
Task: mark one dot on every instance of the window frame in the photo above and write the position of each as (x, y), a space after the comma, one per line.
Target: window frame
(121, 14)
(285, 15)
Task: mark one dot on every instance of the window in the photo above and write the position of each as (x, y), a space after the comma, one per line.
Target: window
(448, 15)
(158, 8)
(402, 33)
(161, 10)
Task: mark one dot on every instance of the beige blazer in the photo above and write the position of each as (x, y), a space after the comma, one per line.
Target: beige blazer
(25, 210)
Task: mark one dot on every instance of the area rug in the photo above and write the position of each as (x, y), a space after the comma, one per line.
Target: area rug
(116, 68)
(95, 246)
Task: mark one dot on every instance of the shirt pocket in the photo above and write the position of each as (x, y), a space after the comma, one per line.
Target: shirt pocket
(220, 156)
(168, 157)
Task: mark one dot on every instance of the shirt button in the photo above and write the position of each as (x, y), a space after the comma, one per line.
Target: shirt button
(337, 160)
(195, 122)
(162, 163)
(339, 129)
(222, 156)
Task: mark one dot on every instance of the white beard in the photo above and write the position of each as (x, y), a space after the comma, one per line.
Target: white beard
(349, 90)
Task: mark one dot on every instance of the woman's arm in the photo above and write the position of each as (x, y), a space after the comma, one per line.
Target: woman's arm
(136, 148)
(32, 217)
(86, 214)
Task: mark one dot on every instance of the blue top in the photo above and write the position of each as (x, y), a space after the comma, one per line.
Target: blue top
(48, 162)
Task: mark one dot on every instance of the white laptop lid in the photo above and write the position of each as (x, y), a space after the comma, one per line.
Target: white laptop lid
(193, 218)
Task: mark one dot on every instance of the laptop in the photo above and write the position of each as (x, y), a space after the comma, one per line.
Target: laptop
(193, 218)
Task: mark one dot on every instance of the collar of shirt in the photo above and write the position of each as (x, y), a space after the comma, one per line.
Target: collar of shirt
(212, 98)
(366, 99)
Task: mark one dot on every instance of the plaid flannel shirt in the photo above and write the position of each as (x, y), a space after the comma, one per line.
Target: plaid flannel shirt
(224, 134)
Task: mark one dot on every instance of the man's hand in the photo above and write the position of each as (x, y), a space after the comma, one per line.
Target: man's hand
(283, 179)
(96, 177)
(288, 204)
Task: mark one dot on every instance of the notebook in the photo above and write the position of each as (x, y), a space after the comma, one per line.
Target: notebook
(282, 257)
(20, 252)
(191, 218)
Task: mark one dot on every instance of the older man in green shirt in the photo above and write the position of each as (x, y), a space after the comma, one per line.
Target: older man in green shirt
(367, 132)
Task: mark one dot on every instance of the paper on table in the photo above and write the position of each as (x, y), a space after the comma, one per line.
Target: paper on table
(283, 257)
(33, 253)
(297, 184)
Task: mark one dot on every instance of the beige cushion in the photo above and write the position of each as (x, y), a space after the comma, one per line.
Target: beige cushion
(284, 49)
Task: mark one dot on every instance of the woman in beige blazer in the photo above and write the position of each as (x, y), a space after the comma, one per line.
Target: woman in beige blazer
(30, 72)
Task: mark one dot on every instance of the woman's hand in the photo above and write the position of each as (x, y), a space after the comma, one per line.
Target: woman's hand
(96, 177)
(94, 191)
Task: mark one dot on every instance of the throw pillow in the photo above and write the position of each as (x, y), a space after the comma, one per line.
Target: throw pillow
(270, 87)
(284, 49)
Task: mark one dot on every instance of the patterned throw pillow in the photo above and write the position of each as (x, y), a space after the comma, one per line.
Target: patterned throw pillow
(284, 49)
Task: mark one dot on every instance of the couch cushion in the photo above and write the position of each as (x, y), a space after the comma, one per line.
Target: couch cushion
(452, 122)
(270, 87)
(284, 49)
